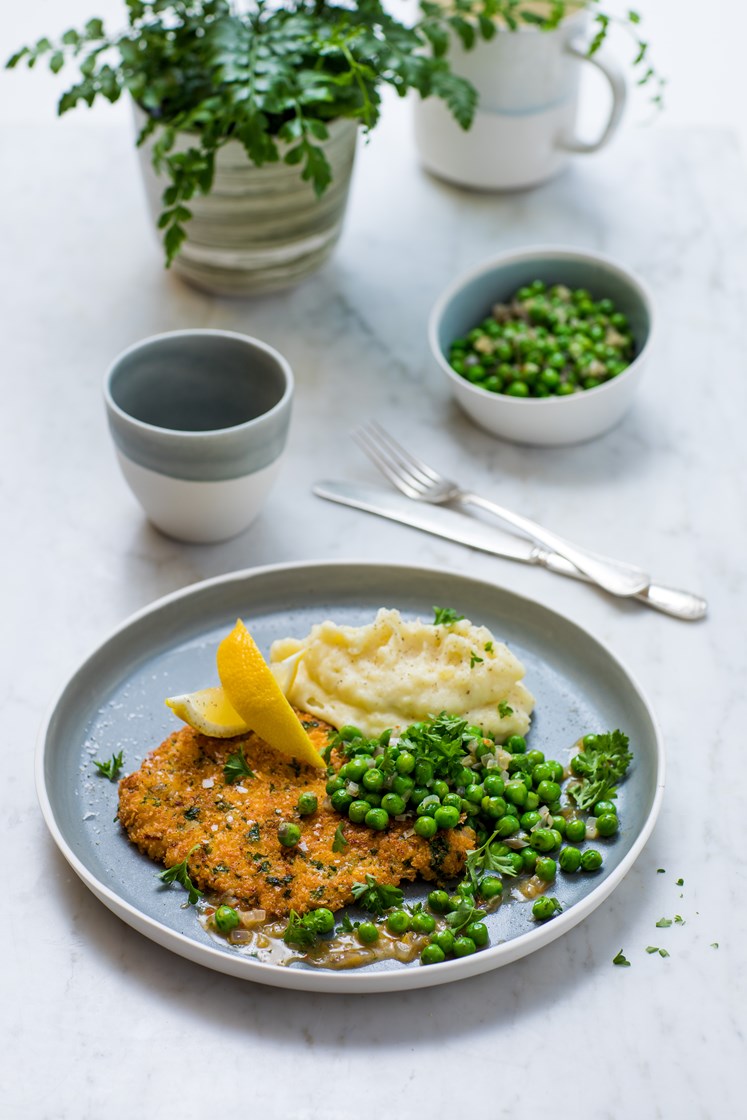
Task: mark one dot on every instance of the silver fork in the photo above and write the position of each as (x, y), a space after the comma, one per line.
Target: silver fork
(417, 480)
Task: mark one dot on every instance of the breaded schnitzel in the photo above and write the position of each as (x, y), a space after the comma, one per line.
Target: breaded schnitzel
(179, 805)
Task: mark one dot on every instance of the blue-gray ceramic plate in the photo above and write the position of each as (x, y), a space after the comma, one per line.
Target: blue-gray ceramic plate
(115, 701)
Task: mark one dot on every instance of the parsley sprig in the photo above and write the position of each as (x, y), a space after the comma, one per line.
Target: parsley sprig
(599, 768)
(490, 856)
(376, 897)
(179, 873)
(112, 767)
(445, 616)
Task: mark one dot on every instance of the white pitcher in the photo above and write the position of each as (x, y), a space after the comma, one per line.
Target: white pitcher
(524, 128)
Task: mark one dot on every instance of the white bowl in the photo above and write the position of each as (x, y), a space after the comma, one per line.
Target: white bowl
(546, 421)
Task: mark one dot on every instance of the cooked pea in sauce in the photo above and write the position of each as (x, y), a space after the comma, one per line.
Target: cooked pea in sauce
(531, 818)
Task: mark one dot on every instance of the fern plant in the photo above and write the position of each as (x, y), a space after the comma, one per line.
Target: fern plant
(272, 78)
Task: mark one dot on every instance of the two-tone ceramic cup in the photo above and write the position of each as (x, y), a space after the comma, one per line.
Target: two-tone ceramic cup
(199, 420)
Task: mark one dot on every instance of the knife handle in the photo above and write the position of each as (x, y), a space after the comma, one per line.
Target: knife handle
(668, 600)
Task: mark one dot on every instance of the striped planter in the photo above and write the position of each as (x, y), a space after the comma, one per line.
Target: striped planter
(261, 228)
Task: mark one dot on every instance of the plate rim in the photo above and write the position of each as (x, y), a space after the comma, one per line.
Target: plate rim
(351, 982)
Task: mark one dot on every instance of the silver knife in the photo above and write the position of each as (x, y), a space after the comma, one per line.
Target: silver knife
(459, 527)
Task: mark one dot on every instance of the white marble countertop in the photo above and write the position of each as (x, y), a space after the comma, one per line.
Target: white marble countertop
(97, 1020)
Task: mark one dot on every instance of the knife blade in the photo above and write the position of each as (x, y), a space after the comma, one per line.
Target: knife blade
(463, 529)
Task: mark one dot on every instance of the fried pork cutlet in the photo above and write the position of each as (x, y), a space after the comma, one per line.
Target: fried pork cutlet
(179, 805)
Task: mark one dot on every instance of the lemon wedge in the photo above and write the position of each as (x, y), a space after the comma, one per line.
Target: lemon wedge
(252, 690)
(210, 712)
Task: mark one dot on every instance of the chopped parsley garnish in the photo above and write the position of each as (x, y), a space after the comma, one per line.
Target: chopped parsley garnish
(111, 768)
(679, 920)
(714, 944)
(192, 813)
(621, 959)
(346, 925)
(680, 882)
(488, 647)
(237, 767)
(652, 948)
(376, 897)
(663, 953)
(446, 616)
(661, 871)
(179, 873)
(505, 709)
(339, 844)
(664, 923)
(475, 660)
(599, 768)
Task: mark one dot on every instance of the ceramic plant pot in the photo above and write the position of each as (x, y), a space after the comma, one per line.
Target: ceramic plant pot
(524, 129)
(261, 228)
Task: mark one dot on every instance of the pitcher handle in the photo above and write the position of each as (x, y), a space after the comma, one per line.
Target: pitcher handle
(614, 75)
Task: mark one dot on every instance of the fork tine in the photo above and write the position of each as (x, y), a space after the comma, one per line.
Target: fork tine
(387, 452)
(370, 448)
(427, 475)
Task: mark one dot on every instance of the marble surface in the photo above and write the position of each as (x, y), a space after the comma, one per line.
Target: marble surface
(96, 1019)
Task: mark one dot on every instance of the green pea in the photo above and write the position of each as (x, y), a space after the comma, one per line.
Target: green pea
(368, 933)
(529, 819)
(402, 785)
(307, 804)
(515, 744)
(516, 793)
(507, 826)
(447, 816)
(544, 908)
(334, 784)
(494, 807)
(354, 770)
(529, 857)
(373, 780)
(464, 946)
(393, 804)
(226, 919)
(420, 922)
(590, 742)
(543, 839)
(432, 954)
(545, 869)
(533, 758)
(398, 921)
(575, 831)
(560, 824)
(607, 824)
(405, 763)
(603, 807)
(532, 801)
(548, 792)
(289, 834)
(357, 811)
(453, 799)
(440, 788)
(493, 785)
(569, 859)
(438, 901)
(373, 799)
(591, 859)
(543, 772)
(377, 819)
(516, 389)
(445, 939)
(426, 827)
(341, 800)
(349, 732)
(418, 794)
(475, 793)
(322, 920)
(428, 805)
(517, 764)
(477, 932)
(491, 887)
(565, 390)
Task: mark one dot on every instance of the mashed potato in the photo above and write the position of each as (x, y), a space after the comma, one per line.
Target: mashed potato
(392, 672)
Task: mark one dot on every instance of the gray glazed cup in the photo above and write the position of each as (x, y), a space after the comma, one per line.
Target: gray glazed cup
(199, 420)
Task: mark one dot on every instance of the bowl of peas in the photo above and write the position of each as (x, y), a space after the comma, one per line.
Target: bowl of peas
(544, 346)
